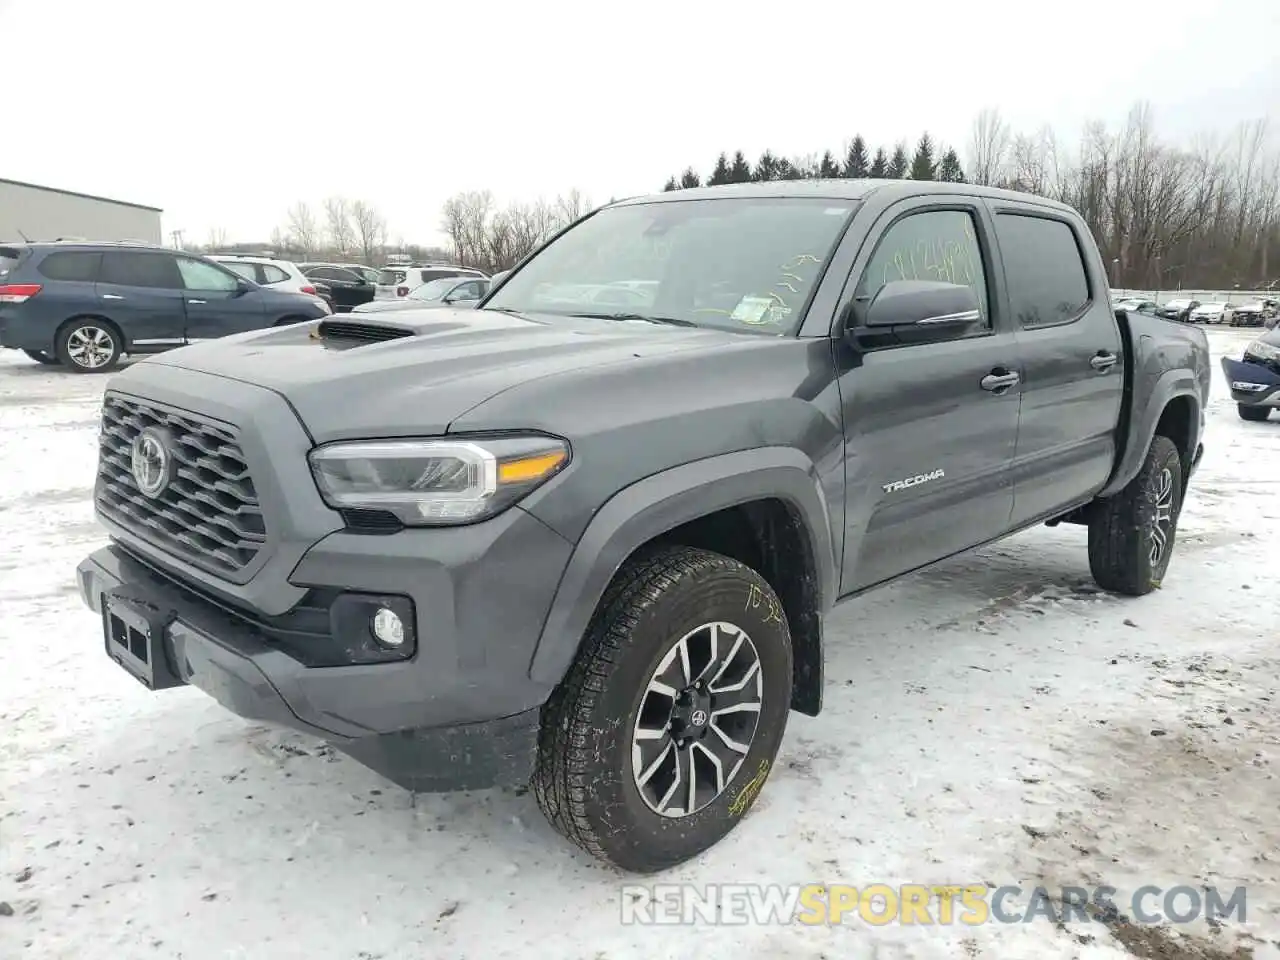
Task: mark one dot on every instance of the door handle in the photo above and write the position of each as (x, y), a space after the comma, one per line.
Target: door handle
(111, 296)
(999, 380)
(195, 301)
(1103, 361)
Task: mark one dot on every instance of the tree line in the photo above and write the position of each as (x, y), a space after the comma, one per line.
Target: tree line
(1205, 215)
(926, 162)
(1165, 215)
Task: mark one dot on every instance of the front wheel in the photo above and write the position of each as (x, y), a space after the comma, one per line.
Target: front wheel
(1252, 414)
(40, 356)
(662, 733)
(89, 346)
(1131, 534)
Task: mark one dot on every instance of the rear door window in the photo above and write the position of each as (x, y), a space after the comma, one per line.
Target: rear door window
(250, 271)
(75, 265)
(1043, 268)
(131, 268)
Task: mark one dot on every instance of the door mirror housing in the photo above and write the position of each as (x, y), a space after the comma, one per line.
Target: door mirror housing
(931, 304)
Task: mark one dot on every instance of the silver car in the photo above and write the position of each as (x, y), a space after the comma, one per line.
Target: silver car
(441, 292)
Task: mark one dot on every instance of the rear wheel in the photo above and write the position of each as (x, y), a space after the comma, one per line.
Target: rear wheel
(89, 346)
(1131, 535)
(662, 734)
(40, 356)
(1252, 414)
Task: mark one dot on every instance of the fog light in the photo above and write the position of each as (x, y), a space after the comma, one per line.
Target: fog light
(387, 627)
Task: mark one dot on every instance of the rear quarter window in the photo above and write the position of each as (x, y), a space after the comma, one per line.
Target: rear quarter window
(9, 258)
(389, 278)
(1043, 269)
(78, 265)
(272, 274)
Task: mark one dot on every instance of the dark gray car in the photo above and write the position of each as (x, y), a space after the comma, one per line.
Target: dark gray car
(85, 305)
(593, 546)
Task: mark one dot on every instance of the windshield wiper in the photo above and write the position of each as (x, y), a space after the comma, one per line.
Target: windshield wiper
(669, 321)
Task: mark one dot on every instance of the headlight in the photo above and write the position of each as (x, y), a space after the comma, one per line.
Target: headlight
(436, 482)
(1263, 351)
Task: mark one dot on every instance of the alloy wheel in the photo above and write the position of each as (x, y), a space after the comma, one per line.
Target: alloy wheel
(90, 347)
(1162, 524)
(697, 719)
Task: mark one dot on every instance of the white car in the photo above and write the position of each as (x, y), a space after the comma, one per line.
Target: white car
(1216, 312)
(395, 282)
(276, 274)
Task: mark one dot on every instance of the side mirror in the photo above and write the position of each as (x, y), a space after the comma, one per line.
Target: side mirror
(242, 286)
(922, 304)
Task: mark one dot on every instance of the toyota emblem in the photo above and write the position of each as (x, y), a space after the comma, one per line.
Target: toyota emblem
(150, 463)
(699, 718)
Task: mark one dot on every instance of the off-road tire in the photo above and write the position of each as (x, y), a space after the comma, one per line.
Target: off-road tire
(1252, 414)
(1120, 526)
(583, 780)
(40, 356)
(69, 330)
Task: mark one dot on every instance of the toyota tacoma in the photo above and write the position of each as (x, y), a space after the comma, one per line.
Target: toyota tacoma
(589, 542)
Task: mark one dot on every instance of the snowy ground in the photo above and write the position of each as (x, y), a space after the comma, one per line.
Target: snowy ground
(995, 720)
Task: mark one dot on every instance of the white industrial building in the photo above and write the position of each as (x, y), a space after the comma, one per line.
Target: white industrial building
(45, 213)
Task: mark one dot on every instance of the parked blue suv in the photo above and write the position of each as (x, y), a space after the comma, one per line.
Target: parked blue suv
(83, 305)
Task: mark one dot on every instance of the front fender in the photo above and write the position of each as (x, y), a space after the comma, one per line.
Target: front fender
(662, 502)
(1169, 386)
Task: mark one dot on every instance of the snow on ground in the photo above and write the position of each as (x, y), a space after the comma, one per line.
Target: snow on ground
(994, 720)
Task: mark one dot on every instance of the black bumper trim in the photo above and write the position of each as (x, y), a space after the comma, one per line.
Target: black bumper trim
(220, 655)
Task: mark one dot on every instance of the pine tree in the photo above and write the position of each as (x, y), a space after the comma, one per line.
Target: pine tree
(740, 172)
(670, 185)
(791, 170)
(689, 179)
(879, 168)
(949, 168)
(766, 167)
(898, 163)
(828, 169)
(721, 173)
(923, 166)
(855, 161)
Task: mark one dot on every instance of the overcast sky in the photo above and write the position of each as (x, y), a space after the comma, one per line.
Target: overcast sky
(224, 113)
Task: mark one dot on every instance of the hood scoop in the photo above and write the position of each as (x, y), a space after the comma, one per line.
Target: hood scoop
(353, 332)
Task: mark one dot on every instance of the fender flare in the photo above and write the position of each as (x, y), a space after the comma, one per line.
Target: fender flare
(662, 502)
(1169, 386)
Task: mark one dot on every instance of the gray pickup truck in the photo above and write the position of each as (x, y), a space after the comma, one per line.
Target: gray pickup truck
(587, 534)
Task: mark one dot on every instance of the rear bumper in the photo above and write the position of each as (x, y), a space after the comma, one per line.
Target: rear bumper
(206, 647)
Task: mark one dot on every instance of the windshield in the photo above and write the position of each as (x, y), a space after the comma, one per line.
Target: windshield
(1178, 304)
(434, 290)
(741, 264)
(1211, 306)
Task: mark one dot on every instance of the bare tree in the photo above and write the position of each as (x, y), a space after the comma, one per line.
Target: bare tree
(337, 215)
(988, 148)
(370, 229)
(465, 220)
(217, 238)
(572, 205)
(301, 229)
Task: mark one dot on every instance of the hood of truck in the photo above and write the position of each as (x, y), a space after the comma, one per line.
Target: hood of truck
(442, 363)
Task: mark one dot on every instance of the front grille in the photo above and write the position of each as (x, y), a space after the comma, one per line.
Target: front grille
(209, 514)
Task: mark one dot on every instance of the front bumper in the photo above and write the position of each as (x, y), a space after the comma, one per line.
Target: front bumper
(1252, 384)
(461, 713)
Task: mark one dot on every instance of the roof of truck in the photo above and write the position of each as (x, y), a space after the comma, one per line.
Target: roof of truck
(855, 189)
